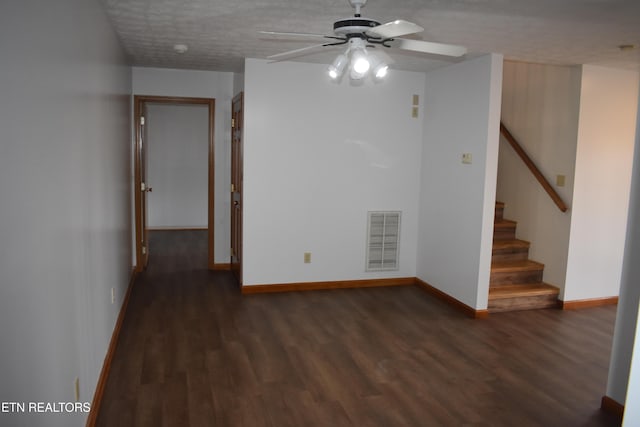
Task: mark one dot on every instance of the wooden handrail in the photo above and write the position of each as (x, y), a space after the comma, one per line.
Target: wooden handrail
(533, 168)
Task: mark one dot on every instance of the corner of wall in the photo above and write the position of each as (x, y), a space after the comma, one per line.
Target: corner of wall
(491, 175)
(456, 200)
(625, 346)
(603, 169)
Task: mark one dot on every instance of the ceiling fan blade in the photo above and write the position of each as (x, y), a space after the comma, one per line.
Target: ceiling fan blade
(281, 33)
(396, 28)
(429, 47)
(296, 52)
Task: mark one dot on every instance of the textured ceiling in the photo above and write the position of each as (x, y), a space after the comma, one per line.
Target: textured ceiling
(221, 33)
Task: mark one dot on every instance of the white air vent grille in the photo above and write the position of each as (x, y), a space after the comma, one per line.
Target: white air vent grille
(383, 241)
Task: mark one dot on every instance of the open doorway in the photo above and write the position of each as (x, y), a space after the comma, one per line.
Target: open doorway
(166, 215)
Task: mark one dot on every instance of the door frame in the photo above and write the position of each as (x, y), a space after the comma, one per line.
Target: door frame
(237, 178)
(139, 102)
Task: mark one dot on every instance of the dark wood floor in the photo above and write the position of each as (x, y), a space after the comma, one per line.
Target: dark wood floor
(194, 352)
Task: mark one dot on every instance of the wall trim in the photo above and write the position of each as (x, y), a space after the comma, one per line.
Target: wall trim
(338, 284)
(588, 303)
(111, 350)
(367, 283)
(612, 407)
(455, 303)
(221, 267)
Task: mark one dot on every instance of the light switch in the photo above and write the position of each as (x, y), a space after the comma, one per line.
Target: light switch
(307, 257)
(466, 158)
(414, 112)
(560, 180)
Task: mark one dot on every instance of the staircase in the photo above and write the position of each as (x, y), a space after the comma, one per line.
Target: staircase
(516, 281)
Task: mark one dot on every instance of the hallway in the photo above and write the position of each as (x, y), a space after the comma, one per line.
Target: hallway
(194, 352)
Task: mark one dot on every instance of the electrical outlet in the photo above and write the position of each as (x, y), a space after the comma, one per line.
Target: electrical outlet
(113, 295)
(467, 159)
(307, 257)
(414, 112)
(76, 388)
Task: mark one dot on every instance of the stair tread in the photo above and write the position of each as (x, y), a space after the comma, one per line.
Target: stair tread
(516, 281)
(508, 244)
(504, 223)
(522, 290)
(519, 265)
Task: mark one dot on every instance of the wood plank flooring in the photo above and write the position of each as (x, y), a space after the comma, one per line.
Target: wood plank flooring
(194, 352)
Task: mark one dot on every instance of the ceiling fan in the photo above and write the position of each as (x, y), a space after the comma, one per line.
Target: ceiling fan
(361, 34)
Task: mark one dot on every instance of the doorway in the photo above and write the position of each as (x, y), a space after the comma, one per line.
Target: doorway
(141, 185)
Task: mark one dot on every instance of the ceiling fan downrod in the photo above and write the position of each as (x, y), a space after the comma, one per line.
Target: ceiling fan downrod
(357, 5)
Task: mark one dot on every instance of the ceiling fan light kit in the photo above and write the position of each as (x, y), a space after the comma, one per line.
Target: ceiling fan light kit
(362, 35)
(380, 69)
(360, 62)
(336, 69)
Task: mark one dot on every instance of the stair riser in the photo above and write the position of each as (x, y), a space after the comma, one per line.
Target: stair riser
(511, 277)
(519, 254)
(504, 233)
(515, 283)
(523, 303)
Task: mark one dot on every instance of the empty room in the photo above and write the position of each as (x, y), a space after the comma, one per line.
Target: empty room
(336, 213)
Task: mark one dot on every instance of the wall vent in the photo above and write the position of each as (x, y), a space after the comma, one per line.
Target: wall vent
(383, 241)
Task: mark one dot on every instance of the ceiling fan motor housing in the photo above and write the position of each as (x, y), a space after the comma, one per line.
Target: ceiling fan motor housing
(356, 25)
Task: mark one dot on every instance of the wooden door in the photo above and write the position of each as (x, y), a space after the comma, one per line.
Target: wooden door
(145, 187)
(141, 187)
(237, 127)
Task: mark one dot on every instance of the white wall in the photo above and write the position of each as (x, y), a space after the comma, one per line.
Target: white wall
(540, 106)
(238, 83)
(178, 160)
(606, 132)
(318, 156)
(201, 84)
(462, 115)
(64, 200)
(624, 341)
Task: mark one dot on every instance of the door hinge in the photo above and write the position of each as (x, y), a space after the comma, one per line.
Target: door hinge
(233, 188)
(142, 186)
(142, 120)
(233, 123)
(233, 253)
(144, 250)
